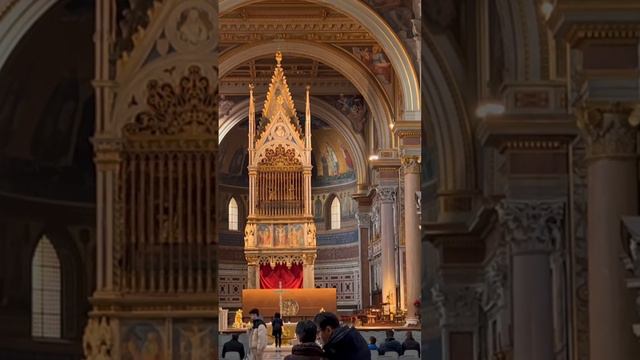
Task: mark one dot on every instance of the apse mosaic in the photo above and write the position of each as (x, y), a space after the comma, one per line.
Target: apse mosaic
(333, 163)
(142, 341)
(280, 235)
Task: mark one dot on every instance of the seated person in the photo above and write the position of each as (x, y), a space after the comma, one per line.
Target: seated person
(307, 349)
(390, 344)
(372, 343)
(233, 345)
(410, 343)
(340, 342)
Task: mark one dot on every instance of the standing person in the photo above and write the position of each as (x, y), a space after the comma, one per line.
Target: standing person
(257, 335)
(410, 343)
(233, 345)
(276, 326)
(307, 349)
(340, 342)
(390, 344)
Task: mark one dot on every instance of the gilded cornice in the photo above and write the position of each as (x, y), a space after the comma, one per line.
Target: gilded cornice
(591, 31)
(331, 31)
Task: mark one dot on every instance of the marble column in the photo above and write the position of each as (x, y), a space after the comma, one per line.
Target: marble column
(411, 170)
(387, 197)
(308, 281)
(253, 273)
(364, 231)
(612, 192)
(458, 313)
(532, 228)
(107, 161)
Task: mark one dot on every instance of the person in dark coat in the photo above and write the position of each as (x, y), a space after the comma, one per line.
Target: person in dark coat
(307, 349)
(276, 331)
(340, 342)
(410, 343)
(233, 345)
(390, 344)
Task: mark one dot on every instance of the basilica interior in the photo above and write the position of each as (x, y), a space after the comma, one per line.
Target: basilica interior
(464, 170)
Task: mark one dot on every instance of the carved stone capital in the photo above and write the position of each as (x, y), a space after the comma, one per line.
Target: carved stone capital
(386, 194)
(411, 165)
(495, 280)
(456, 304)
(531, 226)
(608, 131)
(364, 220)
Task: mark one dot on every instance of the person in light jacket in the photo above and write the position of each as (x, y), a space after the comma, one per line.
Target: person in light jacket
(257, 335)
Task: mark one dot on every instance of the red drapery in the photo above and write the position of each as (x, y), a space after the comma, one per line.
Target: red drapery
(291, 278)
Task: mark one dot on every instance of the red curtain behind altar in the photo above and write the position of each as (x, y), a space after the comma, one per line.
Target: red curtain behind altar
(291, 278)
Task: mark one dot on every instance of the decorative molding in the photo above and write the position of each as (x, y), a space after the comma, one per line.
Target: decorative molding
(600, 30)
(532, 226)
(190, 109)
(330, 31)
(607, 130)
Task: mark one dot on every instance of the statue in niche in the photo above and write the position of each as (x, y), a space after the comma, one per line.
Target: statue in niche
(192, 29)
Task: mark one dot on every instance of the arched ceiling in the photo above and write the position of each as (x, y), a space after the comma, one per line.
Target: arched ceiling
(46, 107)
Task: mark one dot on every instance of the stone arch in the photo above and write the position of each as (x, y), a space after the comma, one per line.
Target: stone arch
(323, 110)
(20, 16)
(368, 87)
(384, 35)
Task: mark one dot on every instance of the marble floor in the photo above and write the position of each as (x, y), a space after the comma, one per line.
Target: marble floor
(272, 354)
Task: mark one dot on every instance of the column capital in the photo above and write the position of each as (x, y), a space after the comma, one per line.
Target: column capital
(411, 164)
(107, 151)
(386, 194)
(364, 219)
(608, 130)
(457, 305)
(531, 226)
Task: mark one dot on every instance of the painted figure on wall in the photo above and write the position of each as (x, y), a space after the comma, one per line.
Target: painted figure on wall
(195, 342)
(264, 235)
(142, 342)
(281, 235)
(296, 234)
(376, 60)
(238, 159)
(318, 208)
(355, 109)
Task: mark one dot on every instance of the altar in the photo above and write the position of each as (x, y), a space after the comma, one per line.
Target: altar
(293, 304)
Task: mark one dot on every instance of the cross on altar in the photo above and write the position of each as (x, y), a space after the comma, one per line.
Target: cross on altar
(280, 291)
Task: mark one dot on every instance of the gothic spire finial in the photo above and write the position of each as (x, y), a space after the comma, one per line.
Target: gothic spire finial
(278, 58)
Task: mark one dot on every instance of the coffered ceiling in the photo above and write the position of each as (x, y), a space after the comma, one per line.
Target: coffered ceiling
(289, 20)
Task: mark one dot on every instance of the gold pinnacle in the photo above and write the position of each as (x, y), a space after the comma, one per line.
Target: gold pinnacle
(278, 57)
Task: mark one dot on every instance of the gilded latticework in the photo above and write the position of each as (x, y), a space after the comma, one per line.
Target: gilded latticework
(280, 228)
(189, 109)
(167, 191)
